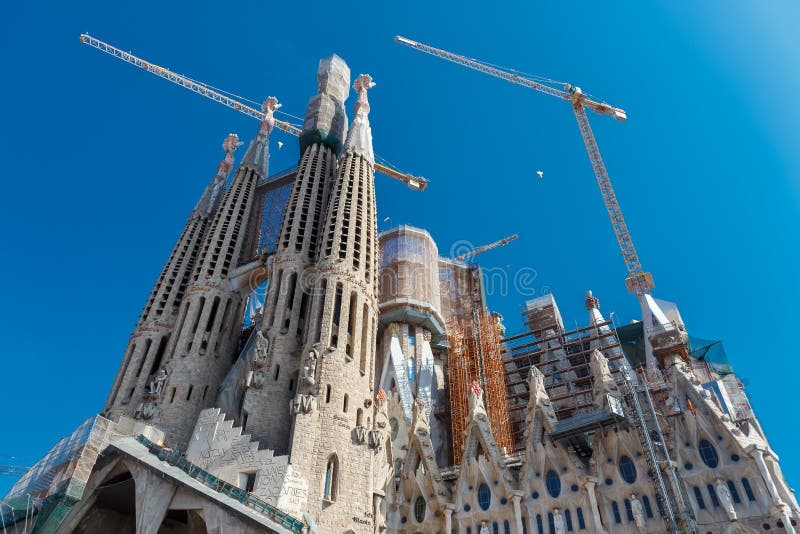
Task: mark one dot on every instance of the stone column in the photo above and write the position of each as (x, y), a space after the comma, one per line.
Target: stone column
(758, 455)
(448, 519)
(598, 525)
(517, 498)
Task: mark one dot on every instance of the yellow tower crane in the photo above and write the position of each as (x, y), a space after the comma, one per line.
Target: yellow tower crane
(417, 183)
(480, 250)
(638, 281)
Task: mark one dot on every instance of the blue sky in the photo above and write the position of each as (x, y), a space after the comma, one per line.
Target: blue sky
(102, 164)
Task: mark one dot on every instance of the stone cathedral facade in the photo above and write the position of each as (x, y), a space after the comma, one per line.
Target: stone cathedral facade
(341, 404)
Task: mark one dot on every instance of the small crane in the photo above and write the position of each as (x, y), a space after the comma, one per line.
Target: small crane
(638, 282)
(480, 250)
(417, 183)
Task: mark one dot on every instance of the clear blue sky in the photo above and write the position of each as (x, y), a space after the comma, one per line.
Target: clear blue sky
(102, 163)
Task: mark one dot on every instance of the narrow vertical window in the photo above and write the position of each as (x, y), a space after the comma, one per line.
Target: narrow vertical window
(331, 473)
(539, 525)
(327, 394)
(337, 316)
(712, 493)
(213, 314)
(363, 341)
(189, 392)
(701, 504)
(628, 510)
(615, 509)
(748, 490)
(345, 402)
(647, 508)
(277, 372)
(323, 287)
(568, 519)
(351, 324)
(734, 492)
(579, 515)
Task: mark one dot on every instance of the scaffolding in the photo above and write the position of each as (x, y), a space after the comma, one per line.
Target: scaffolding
(568, 379)
(475, 355)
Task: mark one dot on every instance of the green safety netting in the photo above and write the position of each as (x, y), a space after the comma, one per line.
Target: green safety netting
(711, 352)
(631, 339)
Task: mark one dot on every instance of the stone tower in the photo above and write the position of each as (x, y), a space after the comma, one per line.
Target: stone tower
(207, 326)
(148, 342)
(333, 409)
(288, 302)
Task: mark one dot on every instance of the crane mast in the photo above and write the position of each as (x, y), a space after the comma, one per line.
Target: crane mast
(638, 282)
(417, 183)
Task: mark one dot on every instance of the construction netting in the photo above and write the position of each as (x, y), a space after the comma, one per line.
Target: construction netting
(631, 339)
(711, 352)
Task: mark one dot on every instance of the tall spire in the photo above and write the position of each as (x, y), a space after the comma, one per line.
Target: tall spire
(326, 121)
(213, 192)
(257, 155)
(359, 138)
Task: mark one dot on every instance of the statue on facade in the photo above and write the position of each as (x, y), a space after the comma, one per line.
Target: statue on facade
(638, 514)
(262, 350)
(156, 386)
(725, 499)
(558, 522)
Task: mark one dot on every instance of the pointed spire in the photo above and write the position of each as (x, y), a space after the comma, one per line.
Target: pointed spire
(325, 120)
(213, 192)
(257, 155)
(359, 138)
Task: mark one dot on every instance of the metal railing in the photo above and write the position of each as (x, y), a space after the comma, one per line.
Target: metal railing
(177, 459)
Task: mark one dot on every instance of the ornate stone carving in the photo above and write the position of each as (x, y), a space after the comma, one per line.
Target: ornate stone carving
(361, 434)
(303, 404)
(258, 379)
(156, 386)
(558, 522)
(261, 355)
(145, 410)
(638, 514)
(376, 439)
(725, 499)
(426, 335)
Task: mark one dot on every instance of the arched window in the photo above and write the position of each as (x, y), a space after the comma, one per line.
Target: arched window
(506, 527)
(327, 393)
(627, 469)
(712, 493)
(628, 510)
(345, 402)
(419, 509)
(579, 515)
(568, 519)
(551, 522)
(734, 492)
(359, 417)
(539, 526)
(615, 509)
(484, 496)
(699, 498)
(748, 490)
(495, 528)
(331, 479)
(708, 453)
(553, 484)
(646, 505)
